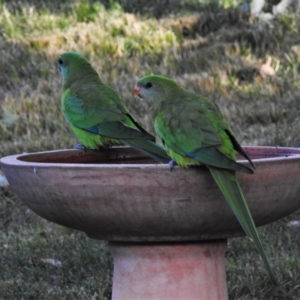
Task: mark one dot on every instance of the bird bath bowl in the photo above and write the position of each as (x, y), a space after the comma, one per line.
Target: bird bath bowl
(167, 230)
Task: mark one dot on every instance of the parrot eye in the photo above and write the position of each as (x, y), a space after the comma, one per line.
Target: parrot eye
(60, 61)
(148, 85)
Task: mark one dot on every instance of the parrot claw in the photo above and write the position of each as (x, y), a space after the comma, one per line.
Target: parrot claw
(79, 147)
(172, 163)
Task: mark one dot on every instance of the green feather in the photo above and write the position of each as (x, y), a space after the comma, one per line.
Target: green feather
(97, 114)
(230, 187)
(194, 132)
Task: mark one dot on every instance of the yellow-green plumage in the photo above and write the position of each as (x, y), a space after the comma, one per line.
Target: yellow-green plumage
(86, 138)
(194, 132)
(97, 114)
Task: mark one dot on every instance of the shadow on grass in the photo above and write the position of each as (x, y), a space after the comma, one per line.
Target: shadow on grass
(155, 8)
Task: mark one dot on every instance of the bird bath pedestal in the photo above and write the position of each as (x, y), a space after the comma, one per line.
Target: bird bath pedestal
(167, 231)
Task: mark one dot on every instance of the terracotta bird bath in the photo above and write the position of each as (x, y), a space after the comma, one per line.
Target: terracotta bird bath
(167, 230)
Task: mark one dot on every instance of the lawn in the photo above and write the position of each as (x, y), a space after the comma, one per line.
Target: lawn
(249, 68)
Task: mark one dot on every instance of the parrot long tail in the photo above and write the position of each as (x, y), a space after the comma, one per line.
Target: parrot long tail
(229, 185)
(149, 148)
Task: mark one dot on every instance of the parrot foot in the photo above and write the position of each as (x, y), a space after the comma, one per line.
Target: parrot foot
(172, 163)
(80, 147)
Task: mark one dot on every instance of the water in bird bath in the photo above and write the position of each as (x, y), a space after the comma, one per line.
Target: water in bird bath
(124, 155)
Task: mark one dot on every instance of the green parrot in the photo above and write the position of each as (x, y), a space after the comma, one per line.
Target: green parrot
(194, 132)
(97, 114)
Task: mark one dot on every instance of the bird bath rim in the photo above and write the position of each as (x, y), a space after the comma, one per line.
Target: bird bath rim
(269, 153)
(145, 201)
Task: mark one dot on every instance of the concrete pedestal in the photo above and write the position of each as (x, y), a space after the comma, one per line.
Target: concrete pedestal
(169, 271)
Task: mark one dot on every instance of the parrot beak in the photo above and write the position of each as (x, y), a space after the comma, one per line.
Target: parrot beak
(137, 90)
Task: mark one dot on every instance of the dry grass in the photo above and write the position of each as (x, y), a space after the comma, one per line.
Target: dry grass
(250, 69)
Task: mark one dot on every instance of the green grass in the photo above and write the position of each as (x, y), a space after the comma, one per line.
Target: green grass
(210, 50)
(27, 241)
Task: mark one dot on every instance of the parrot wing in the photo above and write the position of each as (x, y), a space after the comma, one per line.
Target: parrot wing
(198, 134)
(113, 123)
(203, 134)
(106, 119)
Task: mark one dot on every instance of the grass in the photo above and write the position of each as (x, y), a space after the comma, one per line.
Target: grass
(209, 48)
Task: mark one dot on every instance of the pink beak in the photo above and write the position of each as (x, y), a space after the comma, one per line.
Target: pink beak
(136, 90)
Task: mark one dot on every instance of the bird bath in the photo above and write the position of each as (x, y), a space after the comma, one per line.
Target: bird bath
(167, 230)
